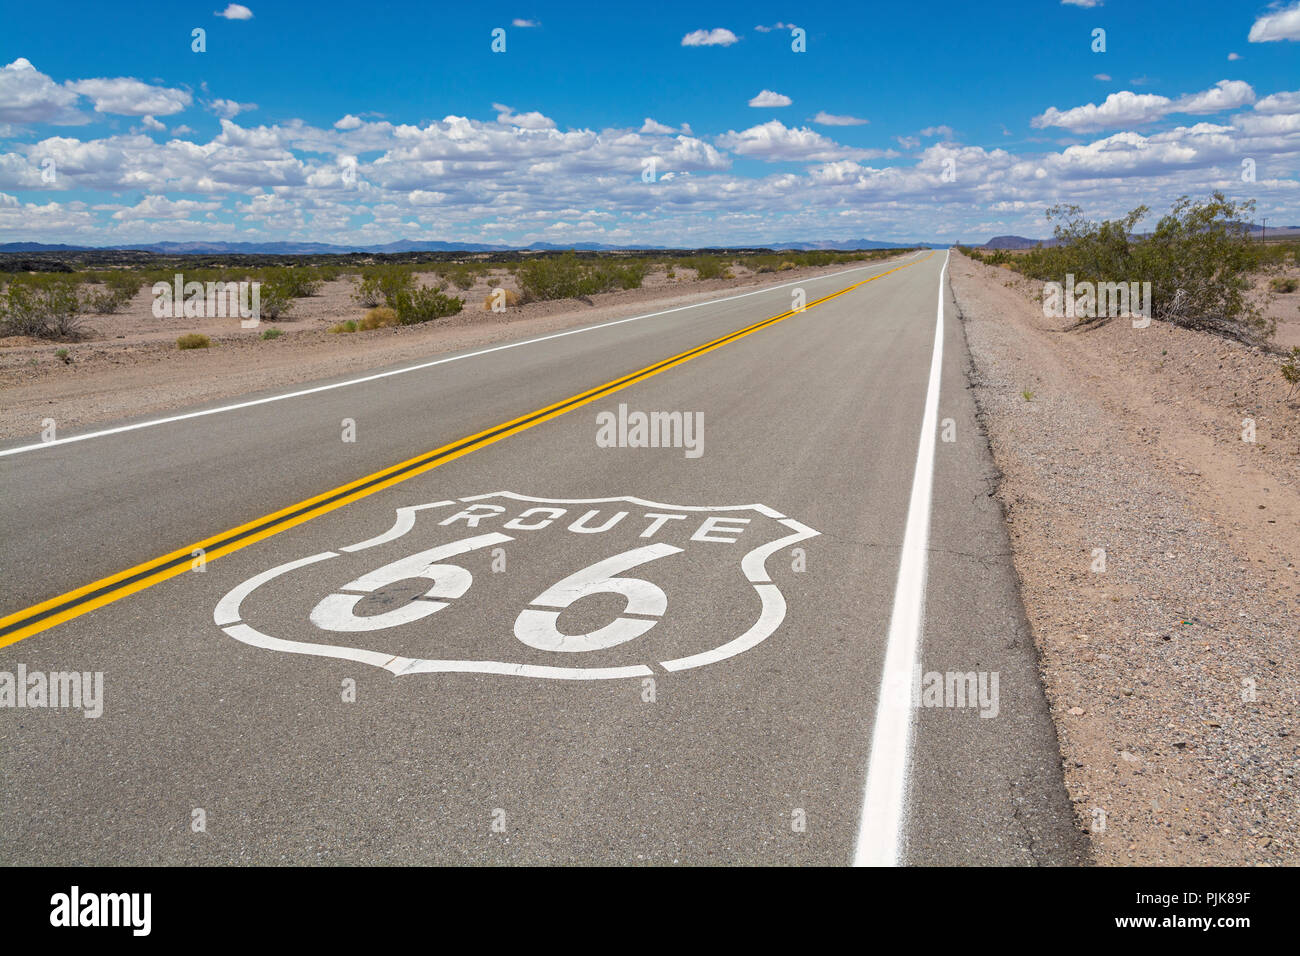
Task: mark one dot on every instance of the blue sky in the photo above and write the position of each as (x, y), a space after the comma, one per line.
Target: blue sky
(346, 122)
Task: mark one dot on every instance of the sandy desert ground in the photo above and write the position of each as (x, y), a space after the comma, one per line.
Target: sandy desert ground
(1172, 674)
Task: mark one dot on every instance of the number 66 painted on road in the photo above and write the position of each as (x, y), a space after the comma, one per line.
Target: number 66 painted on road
(534, 627)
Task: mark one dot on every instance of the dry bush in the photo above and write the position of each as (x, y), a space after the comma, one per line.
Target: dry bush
(508, 296)
(379, 318)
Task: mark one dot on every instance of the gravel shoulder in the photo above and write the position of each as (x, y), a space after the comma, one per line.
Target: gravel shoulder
(1172, 674)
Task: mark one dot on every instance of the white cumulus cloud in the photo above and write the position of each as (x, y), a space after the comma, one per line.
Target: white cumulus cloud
(1226, 95)
(715, 37)
(831, 119)
(534, 120)
(29, 96)
(130, 97)
(1280, 103)
(773, 141)
(655, 127)
(770, 98)
(1119, 109)
(1127, 108)
(160, 207)
(1278, 25)
(229, 109)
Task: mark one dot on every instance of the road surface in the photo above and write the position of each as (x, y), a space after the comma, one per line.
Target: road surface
(454, 615)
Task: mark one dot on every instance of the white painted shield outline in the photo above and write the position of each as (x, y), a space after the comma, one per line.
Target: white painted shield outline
(753, 565)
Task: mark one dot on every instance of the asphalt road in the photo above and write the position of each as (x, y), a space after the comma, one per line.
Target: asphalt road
(515, 673)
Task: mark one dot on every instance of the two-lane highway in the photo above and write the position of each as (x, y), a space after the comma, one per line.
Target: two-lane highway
(458, 612)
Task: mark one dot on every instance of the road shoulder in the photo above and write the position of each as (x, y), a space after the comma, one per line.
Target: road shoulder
(986, 782)
(1170, 674)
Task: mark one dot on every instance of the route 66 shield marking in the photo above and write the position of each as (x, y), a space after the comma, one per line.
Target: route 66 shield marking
(370, 605)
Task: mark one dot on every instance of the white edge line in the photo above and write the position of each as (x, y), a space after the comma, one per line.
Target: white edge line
(414, 368)
(880, 829)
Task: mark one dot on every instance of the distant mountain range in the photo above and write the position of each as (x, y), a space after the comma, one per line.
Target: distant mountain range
(1015, 242)
(421, 245)
(411, 245)
(1020, 242)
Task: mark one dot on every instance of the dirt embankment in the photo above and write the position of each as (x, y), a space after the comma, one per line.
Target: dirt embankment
(1159, 556)
(128, 364)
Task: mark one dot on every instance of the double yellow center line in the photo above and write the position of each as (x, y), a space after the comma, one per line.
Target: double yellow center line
(65, 607)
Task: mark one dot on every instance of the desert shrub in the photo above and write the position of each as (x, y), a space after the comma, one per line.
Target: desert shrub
(829, 257)
(341, 327)
(462, 276)
(626, 275)
(1291, 371)
(299, 282)
(419, 304)
(999, 257)
(44, 306)
(1284, 284)
(568, 277)
(295, 282)
(204, 275)
(275, 299)
(1275, 254)
(368, 293)
(708, 267)
(193, 341)
(379, 318)
(1197, 260)
(272, 334)
(555, 277)
(118, 288)
(508, 296)
(380, 285)
(100, 302)
(1090, 251)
